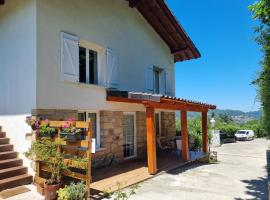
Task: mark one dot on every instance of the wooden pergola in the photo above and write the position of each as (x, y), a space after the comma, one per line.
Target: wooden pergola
(152, 102)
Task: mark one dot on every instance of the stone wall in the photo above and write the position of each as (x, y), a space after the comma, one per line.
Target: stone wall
(141, 134)
(111, 139)
(168, 124)
(111, 132)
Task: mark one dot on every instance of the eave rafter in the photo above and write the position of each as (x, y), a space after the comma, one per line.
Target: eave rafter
(159, 16)
(159, 28)
(134, 3)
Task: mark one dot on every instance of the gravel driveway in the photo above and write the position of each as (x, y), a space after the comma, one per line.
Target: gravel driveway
(240, 174)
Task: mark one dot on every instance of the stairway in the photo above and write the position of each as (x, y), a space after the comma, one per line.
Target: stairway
(12, 172)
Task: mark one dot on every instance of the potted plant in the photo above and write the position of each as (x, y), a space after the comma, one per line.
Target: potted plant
(76, 161)
(70, 132)
(44, 130)
(33, 122)
(46, 151)
(75, 191)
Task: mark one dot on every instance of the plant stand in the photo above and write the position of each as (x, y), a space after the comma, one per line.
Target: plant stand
(76, 148)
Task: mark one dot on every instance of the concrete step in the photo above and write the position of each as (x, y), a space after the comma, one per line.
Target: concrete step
(4, 141)
(8, 155)
(13, 171)
(15, 181)
(10, 163)
(2, 134)
(6, 147)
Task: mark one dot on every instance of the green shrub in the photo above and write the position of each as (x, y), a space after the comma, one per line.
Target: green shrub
(229, 129)
(75, 191)
(256, 126)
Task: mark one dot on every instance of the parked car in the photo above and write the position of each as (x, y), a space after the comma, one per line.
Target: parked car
(226, 138)
(244, 135)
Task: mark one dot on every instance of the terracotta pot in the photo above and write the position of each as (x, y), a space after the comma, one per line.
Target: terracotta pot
(50, 191)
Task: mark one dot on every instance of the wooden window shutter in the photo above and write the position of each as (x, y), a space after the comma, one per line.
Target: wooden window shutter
(167, 83)
(149, 79)
(112, 68)
(69, 57)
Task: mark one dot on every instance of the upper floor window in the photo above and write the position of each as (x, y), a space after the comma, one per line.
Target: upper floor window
(157, 72)
(88, 71)
(86, 62)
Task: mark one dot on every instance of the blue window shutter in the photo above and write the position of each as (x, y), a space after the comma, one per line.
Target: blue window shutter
(69, 57)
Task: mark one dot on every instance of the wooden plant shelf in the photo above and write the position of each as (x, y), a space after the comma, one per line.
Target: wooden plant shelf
(79, 143)
(72, 148)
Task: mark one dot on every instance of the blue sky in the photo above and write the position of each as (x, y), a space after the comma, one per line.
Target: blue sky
(223, 32)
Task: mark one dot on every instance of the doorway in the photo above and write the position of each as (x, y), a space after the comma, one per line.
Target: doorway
(129, 131)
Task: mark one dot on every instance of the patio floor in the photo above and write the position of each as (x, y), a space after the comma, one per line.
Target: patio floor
(132, 172)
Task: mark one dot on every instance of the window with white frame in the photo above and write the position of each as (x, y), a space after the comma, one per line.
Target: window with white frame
(157, 73)
(86, 62)
(88, 66)
(94, 118)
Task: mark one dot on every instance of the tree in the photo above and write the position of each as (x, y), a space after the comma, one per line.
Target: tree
(261, 12)
(225, 118)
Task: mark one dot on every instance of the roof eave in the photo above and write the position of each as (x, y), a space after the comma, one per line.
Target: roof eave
(160, 17)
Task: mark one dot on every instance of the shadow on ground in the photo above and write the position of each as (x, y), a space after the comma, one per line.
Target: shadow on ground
(188, 167)
(257, 188)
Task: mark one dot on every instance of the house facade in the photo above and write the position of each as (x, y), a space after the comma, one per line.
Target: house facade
(58, 59)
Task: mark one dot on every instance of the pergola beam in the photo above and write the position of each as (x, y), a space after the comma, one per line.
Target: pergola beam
(168, 104)
(176, 106)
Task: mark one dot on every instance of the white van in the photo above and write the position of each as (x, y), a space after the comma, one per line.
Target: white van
(244, 135)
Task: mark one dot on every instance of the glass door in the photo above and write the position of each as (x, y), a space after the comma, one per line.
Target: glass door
(129, 135)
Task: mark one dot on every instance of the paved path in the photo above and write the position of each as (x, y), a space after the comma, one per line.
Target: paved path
(240, 174)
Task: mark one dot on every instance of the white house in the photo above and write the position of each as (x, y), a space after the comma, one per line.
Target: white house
(59, 58)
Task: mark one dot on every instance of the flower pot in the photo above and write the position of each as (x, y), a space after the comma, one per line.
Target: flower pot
(50, 191)
(71, 137)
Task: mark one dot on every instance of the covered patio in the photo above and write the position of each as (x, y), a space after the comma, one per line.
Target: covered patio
(135, 171)
(152, 102)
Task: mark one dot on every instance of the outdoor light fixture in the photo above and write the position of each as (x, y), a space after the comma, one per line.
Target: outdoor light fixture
(213, 122)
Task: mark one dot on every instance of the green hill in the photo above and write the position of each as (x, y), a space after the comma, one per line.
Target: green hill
(233, 113)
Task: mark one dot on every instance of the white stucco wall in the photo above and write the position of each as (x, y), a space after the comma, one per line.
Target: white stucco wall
(107, 23)
(17, 57)
(17, 69)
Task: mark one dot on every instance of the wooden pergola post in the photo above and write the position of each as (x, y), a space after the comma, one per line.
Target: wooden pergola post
(151, 140)
(204, 132)
(184, 134)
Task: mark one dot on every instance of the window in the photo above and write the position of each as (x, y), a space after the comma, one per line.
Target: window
(94, 117)
(156, 80)
(88, 70)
